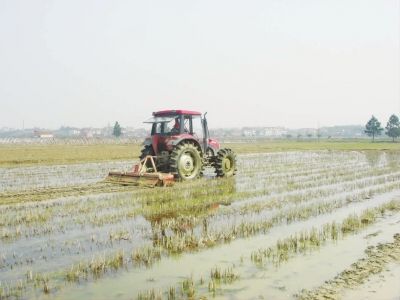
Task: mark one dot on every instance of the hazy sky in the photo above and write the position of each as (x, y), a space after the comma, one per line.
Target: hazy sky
(286, 63)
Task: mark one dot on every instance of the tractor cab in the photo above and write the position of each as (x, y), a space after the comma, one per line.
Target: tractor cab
(171, 127)
(175, 124)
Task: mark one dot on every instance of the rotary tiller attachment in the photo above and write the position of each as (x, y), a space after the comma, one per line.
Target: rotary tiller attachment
(145, 174)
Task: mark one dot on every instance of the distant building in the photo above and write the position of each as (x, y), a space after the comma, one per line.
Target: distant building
(73, 132)
(307, 132)
(264, 131)
(68, 132)
(43, 134)
(273, 131)
(246, 131)
(86, 133)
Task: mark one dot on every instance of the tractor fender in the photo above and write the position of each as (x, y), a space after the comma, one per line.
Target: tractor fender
(212, 150)
(182, 140)
(213, 146)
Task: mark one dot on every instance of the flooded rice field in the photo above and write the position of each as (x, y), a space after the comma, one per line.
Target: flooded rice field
(306, 225)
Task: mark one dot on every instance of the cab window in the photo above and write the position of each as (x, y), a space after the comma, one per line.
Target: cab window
(197, 127)
(187, 126)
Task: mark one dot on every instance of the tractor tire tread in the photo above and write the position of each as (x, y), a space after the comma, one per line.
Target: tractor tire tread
(173, 165)
(147, 150)
(223, 153)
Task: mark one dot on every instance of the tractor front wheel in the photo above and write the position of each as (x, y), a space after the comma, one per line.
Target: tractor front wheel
(186, 162)
(147, 150)
(225, 163)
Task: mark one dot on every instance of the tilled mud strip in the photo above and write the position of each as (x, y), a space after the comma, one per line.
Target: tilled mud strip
(59, 192)
(377, 258)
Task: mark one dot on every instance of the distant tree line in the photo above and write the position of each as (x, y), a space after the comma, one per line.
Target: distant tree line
(373, 127)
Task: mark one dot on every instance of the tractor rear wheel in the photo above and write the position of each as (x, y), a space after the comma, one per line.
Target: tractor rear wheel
(225, 163)
(186, 162)
(147, 150)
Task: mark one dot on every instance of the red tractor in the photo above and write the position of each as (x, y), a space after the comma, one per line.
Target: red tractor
(181, 143)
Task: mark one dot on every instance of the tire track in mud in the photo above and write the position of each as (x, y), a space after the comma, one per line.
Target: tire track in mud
(60, 192)
(384, 285)
(377, 258)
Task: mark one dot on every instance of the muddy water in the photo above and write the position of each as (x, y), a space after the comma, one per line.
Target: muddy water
(303, 272)
(66, 237)
(60, 250)
(231, 216)
(310, 271)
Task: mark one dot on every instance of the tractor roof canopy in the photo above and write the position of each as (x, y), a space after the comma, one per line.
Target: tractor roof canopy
(176, 112)
(160, 119)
